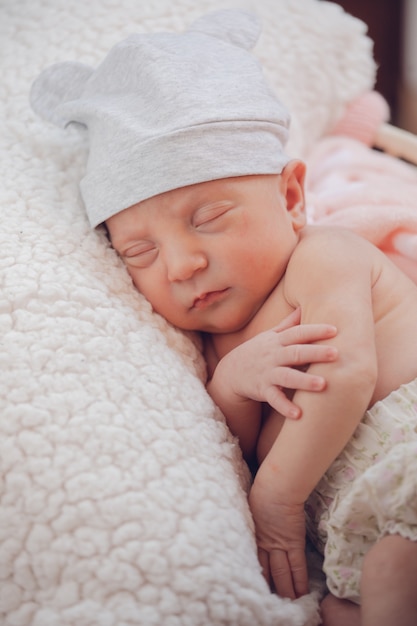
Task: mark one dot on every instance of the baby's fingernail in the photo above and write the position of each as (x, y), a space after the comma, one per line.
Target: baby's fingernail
(294, 413)
(318, 383)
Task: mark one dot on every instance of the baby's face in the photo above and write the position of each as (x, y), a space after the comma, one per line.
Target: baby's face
(207, 256)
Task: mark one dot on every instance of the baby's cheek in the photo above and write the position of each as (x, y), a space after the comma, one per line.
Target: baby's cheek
(133, 275)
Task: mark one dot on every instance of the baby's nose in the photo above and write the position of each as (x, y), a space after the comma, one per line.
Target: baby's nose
(184, 261)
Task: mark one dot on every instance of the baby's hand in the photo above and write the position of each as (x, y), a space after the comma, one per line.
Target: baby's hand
(280, 536)
(263, 366)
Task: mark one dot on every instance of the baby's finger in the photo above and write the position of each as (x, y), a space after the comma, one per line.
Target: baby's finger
(264, 561)
(300, 354)
(281, 574)
(305, 333)
(298, 565)
(293, 319)
(293, 379)
(279, 401)
(289, 378)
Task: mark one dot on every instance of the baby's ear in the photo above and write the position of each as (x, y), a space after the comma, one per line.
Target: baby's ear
(292, 187)
(56, 85)
(240, 28)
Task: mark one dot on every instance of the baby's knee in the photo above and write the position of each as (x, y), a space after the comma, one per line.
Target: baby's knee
(388, 560)
(337, 612)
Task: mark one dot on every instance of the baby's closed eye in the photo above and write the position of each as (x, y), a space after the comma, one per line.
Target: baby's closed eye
(140, 254)
(206, 215)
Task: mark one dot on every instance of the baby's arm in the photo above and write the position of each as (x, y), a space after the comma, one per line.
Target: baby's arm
(337, 288)
(257, 370)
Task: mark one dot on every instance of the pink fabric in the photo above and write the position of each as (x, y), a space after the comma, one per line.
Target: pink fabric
(362, 117)
(350, 185)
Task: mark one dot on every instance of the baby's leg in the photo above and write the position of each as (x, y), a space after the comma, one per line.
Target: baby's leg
(337, 612)
(389, 583)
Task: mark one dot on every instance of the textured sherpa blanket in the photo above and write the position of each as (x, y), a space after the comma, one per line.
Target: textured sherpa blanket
(122, 493)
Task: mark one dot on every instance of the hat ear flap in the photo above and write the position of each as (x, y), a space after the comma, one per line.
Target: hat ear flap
(240, 28)
(56, 85)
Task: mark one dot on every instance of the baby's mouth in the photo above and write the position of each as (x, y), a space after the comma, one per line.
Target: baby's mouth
(206, 299)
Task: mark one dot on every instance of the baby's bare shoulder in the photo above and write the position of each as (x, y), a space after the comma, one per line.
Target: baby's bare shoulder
(319, 235)
(325, 261)
(336, 255)
(326, 244)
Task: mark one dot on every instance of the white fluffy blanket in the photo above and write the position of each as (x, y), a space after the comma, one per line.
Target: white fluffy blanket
(122, 494)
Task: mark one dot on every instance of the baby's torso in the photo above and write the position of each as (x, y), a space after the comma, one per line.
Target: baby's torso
(394, 298)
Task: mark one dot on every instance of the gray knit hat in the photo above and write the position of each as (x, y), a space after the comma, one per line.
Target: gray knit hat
(168, 110)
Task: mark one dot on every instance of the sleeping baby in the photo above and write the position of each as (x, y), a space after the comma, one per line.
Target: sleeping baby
(187, 170)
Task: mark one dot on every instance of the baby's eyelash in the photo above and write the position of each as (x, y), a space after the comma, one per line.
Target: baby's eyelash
(138, 249)
(140, 255)
(210, 213)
